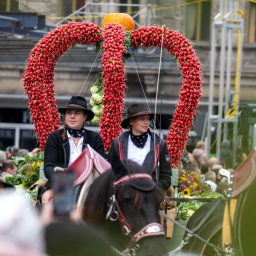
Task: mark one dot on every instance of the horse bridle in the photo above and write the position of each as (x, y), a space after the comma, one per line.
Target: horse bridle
(115, 213)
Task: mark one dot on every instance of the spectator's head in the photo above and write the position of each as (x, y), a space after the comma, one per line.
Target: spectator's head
(9, 167)
(225, 144)
(204, 168)
(193, 168)
(222, 188)
(15, 151)
(212, 161)
(200, 144)
(21, 231)
(8, 152)
(210, 176)
(215, 168)
(2, 157)
(23, 152)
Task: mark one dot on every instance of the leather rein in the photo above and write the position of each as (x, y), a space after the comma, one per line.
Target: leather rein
(115, 213)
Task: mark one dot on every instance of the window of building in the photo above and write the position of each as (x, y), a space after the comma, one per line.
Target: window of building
(13, 115)
(68, 7)
(9, 5)
(251, 35)
(27, 139)
(129, 8)
(7, 138)
(198, 20)
(18, 134)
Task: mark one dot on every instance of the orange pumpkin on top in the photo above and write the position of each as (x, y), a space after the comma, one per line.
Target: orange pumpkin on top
(123, 19)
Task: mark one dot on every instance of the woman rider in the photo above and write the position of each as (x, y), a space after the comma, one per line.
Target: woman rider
(140, 145)
(65, 145)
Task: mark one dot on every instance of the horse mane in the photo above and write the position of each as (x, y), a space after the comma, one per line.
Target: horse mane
(98, 194)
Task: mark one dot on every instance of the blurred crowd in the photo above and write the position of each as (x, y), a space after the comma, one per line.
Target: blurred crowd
(212, 169)
(7, 166)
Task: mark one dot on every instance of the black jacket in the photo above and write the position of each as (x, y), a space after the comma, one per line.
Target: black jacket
(57, 150)
(165, 171)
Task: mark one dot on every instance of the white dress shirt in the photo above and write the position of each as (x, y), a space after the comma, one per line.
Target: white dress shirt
(138, 154)
(75, 150)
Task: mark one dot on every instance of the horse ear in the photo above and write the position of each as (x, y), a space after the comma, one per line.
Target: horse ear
(119, 168)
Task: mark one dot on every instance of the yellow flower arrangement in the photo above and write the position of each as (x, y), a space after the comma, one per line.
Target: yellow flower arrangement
(192, 186)
(28, 170)
(186, 192)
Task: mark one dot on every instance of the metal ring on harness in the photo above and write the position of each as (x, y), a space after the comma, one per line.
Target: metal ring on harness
(112, 213)
(114, 216)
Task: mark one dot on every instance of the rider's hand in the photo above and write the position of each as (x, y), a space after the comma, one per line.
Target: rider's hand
(47, 196)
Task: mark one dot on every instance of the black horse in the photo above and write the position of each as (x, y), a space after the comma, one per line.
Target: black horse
(129, 196)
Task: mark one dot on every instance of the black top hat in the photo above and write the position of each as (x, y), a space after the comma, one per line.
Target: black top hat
(80, 103)
(136, 110)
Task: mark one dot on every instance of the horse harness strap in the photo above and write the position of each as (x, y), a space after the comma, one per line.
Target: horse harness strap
(126, 227)
(152, 229)
(131, 177)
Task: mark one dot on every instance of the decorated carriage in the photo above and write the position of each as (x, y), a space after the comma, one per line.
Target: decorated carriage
(118, 38)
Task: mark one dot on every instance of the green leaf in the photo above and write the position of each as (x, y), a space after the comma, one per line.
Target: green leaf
(14, 180)
(27, 158)
(19, 161)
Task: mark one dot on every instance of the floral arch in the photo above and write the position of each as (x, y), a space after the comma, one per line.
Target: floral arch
(39, 73)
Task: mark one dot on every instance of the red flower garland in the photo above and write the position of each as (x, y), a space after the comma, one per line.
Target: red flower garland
(39, 73)
(114, 83)
(179, 46)
(38, 79)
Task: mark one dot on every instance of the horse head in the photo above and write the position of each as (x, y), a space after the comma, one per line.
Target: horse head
(132, 199)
